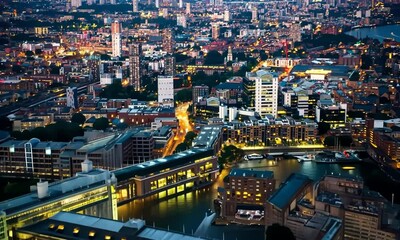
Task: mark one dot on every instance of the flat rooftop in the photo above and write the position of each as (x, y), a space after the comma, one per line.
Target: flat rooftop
(207, 137)
(77, 226)
(251, 173)
(156, 165)
(57, 190)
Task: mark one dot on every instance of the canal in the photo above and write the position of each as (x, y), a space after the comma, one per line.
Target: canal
(185, 212)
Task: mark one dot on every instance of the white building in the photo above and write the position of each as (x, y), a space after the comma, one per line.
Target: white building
(266, 93)
(116, 39)
(181, 20)
(135, 5)
(165, 89)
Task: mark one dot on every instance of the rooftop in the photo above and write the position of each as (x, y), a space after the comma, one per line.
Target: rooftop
(57, 190)
(251, 173)
(288, 190)
(159, 164)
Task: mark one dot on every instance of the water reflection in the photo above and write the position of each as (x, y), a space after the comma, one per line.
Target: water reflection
(189, 209)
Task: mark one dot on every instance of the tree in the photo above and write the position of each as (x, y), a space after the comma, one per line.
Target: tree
(78, 118)
(230, 154)
(5, 123)
(323, 128)
(278, 232)
(181, 147)
(189, 137)
(214, 58)
(101, 124)
(184, 95)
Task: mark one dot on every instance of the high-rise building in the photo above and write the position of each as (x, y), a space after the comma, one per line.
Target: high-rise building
(168, 40)
(135, 5)
(254, 14)
(135, 51)
(76, 3)
(200, 92)
(227, 16)
(157, 3)
(181, 20)
(188, 11)
(215, 30)
(266, 93)
(116, 39)
(169, 65)
(180, 3)
(165, 89)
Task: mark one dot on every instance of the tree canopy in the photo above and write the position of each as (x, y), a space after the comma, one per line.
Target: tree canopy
(230, 154)
(78, 118)
(214, 58)
(101, 123)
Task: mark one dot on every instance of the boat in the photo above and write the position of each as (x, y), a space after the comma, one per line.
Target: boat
(305, 158)
(347, 156)
(254, 156)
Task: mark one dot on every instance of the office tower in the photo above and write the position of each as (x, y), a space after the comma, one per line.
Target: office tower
(169, 68)
(116, 39)
(76, 3)
(113, 2)
(229, 57)
(135, 51)
(227, 16)
(168, 40)
(188, 11)
(157, 3)
(266, 93)
(200, 92)
(181, 20)
(165, 88)
(180, 3)
(215, 30)
(254, 14)
(102, 2)
(135, 5)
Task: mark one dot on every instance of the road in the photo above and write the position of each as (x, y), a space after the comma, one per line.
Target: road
(181, 114)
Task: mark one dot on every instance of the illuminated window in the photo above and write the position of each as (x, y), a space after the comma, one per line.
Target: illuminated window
(60, 228)
(92, 233)
(107, 237)
(76, 231)
(51, 226)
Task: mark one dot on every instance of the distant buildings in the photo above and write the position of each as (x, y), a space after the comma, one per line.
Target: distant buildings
(135, 6)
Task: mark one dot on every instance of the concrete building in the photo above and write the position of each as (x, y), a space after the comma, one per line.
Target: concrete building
(169, 65)
(135, 6)
(168, 43)
(245, 195)
(200, 92)
(91, 192)
(67, 225)
(165, 91)
(266, 92)
(328, 111)
(116, 39)
(215, 31)
(135, 51)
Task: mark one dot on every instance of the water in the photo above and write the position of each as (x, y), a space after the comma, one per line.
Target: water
(380, 33)
(188, 211)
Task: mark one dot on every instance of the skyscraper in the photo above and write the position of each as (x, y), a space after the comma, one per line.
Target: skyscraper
(180, 3)
(165, 89)
(266, 93)
(215, 30)
(188, 11)
(116, 39)
(168, 40)
(169, 68)
(135, 5)
(135, 51)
